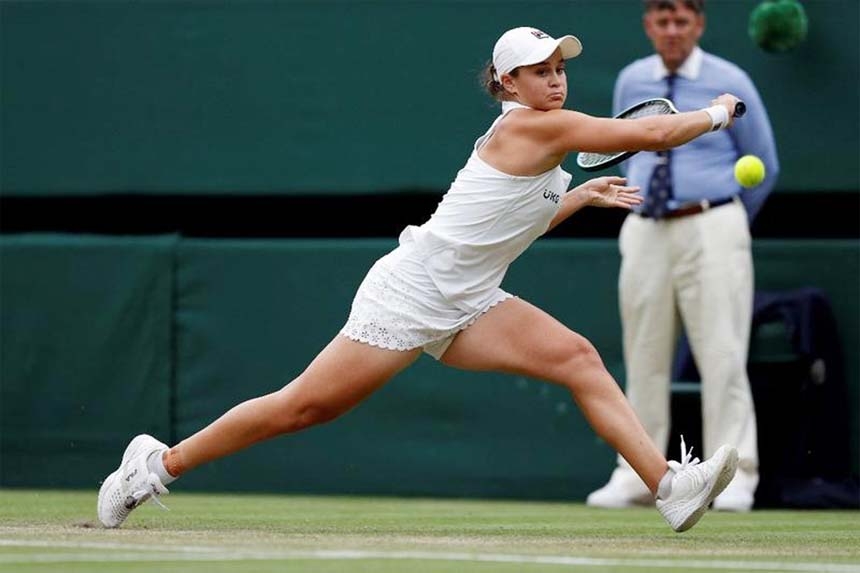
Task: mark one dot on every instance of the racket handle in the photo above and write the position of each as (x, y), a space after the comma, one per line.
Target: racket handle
(740, 109)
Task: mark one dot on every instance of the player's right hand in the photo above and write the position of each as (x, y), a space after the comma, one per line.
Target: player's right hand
(729, 101)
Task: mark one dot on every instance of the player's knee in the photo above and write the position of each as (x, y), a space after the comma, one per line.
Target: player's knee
(299, 414)
(312, 414)
(583, 363)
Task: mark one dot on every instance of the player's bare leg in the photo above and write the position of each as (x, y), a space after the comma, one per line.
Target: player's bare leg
(341, 376)
(519, 338)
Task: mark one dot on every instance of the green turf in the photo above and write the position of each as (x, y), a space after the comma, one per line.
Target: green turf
(43, 531)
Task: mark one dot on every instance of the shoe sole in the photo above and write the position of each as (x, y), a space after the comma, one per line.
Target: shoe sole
(727, 472)
(106, 485)
(131, 450)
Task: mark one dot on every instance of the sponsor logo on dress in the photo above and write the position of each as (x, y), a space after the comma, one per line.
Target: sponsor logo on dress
(554, 197)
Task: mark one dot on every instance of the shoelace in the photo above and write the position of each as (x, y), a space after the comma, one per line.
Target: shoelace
(687, 459)
(152, 491)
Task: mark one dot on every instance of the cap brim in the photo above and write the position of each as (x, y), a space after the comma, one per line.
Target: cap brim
(570, 48)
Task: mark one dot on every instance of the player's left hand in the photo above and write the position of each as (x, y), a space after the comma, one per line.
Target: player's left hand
(611, 191)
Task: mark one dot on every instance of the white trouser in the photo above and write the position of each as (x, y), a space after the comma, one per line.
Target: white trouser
(697, 269)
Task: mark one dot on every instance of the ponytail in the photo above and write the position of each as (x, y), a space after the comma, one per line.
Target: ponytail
(493, 87)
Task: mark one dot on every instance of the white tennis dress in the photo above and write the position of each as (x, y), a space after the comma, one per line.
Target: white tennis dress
(447, 272)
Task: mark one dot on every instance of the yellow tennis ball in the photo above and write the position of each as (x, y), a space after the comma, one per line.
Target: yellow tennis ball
(749, 171)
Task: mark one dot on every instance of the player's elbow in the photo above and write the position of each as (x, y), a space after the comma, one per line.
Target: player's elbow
(657, 139)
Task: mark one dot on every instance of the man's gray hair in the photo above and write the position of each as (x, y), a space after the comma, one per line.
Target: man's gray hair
(697, 6)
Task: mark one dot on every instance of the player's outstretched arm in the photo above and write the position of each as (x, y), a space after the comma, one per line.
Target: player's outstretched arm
(565, 131)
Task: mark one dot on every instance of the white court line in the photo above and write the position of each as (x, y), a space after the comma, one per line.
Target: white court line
(143, 553)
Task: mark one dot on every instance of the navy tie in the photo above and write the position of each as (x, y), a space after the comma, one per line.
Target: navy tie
(660, 185)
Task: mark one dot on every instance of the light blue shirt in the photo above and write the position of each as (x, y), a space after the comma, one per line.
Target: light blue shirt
(704, 167)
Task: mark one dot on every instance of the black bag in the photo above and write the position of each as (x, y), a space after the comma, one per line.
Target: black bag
(797, 376)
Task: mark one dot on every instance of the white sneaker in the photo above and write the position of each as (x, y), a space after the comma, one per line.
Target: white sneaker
(739, 496)
(624, 489)
(132, 483)
(695, 485)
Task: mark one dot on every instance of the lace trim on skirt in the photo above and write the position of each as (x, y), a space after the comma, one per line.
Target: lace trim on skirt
(388, 312)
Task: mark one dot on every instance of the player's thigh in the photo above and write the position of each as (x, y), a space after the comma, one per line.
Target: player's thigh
(346, 372)
(518, 337)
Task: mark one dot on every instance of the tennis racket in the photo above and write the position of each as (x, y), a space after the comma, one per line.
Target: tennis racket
(656, 106)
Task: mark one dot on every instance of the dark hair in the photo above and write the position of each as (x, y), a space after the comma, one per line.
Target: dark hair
(491, 86)
(697, 6)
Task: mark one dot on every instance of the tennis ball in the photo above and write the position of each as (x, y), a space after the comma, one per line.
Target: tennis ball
(749, 171)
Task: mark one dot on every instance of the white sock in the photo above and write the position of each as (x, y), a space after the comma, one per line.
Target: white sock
(664, 488)
(155, 463)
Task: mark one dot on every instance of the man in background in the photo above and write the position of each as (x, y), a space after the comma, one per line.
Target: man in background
(686, 253)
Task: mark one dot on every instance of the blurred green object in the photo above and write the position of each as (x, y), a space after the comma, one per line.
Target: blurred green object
(778, 25)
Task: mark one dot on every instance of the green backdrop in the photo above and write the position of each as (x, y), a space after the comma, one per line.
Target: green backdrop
(342, 96)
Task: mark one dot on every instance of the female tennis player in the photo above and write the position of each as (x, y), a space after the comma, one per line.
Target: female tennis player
(439, 292)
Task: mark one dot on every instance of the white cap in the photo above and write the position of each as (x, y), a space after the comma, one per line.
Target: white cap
(526, 46)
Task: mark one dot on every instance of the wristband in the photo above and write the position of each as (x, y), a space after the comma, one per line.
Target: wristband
(719, 116)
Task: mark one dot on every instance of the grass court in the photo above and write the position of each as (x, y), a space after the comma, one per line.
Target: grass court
(57, 531)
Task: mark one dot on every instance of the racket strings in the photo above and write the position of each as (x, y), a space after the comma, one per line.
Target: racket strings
(656, 107)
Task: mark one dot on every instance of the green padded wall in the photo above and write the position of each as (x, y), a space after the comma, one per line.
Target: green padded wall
(102, 338)
(85, 353)
(343, 96)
